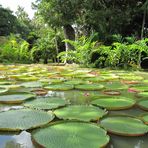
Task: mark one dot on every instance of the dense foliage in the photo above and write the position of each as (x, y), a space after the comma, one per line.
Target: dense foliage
(91, 33)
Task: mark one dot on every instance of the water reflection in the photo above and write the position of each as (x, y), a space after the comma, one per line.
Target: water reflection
(23, 140)
(4, 108)
(128, 142)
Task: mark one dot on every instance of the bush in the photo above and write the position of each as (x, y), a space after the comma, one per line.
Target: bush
(125, 54)
(15, 50)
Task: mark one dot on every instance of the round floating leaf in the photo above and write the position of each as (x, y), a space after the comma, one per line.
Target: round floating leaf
(32, 84)
(46, 103)
(145, 81)
(3, 90)
(111, 92)
(139, 88)
(15, 98)
(97, 79)
(82, 76)
(75, 82)
(143, 94)
(115, 86)
(23, 119)
(115, 103)
(80, 112)
(89, 87)
(60, 87)
(13, 86)
(28, 78)
(143, 104)
(71, 135)
(5, 82)
(124, 125)
(145, 118)
(132, 78)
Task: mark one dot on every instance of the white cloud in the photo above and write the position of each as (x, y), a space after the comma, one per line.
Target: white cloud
(12, 4)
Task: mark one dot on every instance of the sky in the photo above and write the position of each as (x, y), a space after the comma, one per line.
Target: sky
(12, 4)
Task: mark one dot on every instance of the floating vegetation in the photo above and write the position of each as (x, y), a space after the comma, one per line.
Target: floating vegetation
(82, 100)
(116, 103)
(17, 98)
(71, 135)
(80, 113)
(46, 103)
(124, 125)
(23, 119)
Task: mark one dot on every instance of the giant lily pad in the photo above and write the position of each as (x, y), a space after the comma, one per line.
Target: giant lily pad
(15, 98)
(89, 87)
(132, 77)
(75, 82)
(34, 84)
(97, 79)
(3, 90)
(60, 87)
(143, 104)
(71, 135)
(139, 88)
(80, 112)
(46, 103)
(117, 103)
(115, 86)
(145, 118)
(16, 120)
(124, 125)
(13, 86)
(143, 94)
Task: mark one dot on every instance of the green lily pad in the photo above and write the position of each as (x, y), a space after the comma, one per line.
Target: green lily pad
(145, 81)
(15, 98)
(115, 86)
(124, 125)
(46, 103)
(82, 76)
(28, 78)
(32, 84)
(13, 86)
(97, 79)
(143, 94)
(145, 118)
(89, 87)
(71, 135)
(143, 104)
(3, 90)
(117, 103)
(80, 112)
(5, 82)
(75, 82)
(23, 119)
(59, 87)
(132, 77)
(139, 88)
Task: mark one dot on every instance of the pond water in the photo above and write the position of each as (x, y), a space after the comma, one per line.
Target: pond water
(47, 75)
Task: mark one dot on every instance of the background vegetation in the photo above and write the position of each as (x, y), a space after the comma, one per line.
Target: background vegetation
(105, 33)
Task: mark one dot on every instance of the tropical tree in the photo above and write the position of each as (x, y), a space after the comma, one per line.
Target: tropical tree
(8, 22)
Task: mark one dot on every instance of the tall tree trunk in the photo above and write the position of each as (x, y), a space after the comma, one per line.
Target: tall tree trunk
(143, 24)
(69, 33)
(57, 48)
(56, 45)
